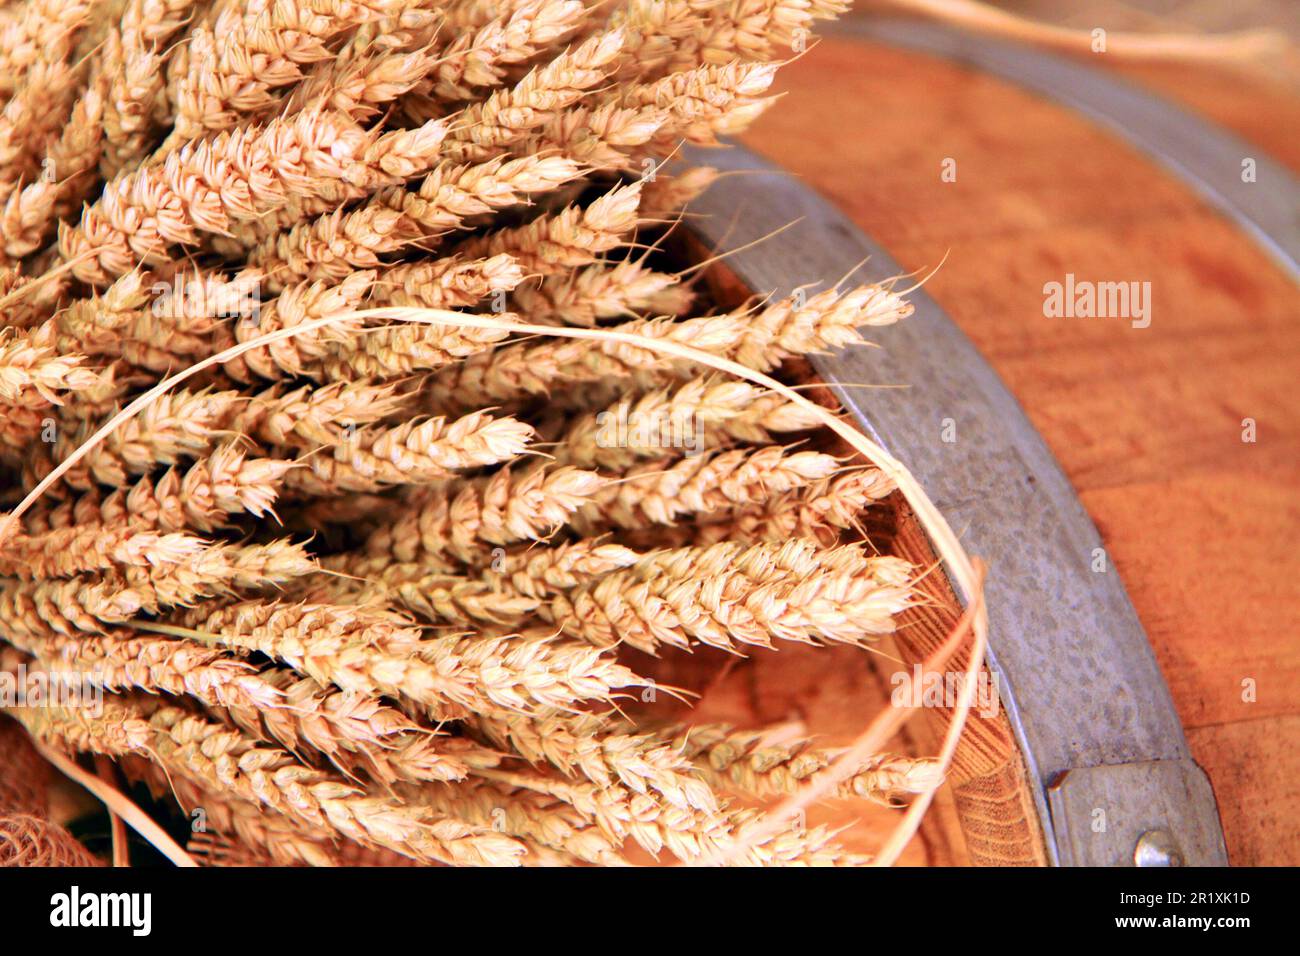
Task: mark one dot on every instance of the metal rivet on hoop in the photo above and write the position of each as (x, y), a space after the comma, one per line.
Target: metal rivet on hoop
(1157, 848)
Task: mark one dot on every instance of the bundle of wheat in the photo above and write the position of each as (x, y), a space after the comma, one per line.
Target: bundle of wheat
(385, 578)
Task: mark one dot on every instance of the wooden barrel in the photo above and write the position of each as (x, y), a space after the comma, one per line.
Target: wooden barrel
(1174, 430)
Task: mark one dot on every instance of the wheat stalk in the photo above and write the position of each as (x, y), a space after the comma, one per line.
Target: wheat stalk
(368, 652)
(328, 156)
(573, 237)
(584, 746)
(539, 820)
(215, 758)
(725, 596)
(466, 521)
(659, 492)
(352, 732)
(761, 339)
(603, 290)
(761, 763)
(506, 117)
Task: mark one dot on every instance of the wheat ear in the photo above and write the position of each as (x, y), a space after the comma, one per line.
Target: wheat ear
(216, 758)
(488, 127)
(585, 746)
(479, 58)
(760, 339)
(367, 652)
(656, 423)
(537, 819)
(575, 236)
(726, 596)
(353, 732)
(819, 512)
(762, 764)
(224, 483)
(603, 290)
(466, 521)
(416, 451)
(38, 31)
(659, 492)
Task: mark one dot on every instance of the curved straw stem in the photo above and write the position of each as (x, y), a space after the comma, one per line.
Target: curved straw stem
(872, 741)
(121, 852)
(960, 567)
(911, 822)
(1242, 46)
(119, 804)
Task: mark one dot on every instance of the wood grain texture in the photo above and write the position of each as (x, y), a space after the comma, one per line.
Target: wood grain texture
(1147, 423)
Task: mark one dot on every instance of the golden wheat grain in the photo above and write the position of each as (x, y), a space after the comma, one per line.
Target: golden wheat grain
(369, 652)
(762, 339)
(661, 491)
(603, 290)
(217, 758)
(723, 597)
(764, 763)
(587, 746)
(465, 521)
(414, 452)
(535, 818)
(575, 236)
(492, 125)
(353, 732)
